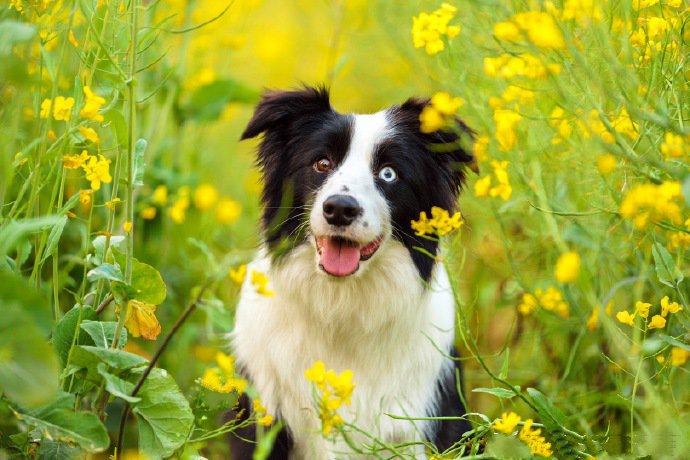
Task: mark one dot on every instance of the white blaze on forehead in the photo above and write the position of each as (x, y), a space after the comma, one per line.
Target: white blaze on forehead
(367, 132)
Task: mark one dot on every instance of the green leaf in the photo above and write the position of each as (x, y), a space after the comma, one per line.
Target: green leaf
(59, 422)
(67, 327)
(666, 269)
(139, 151)
(163, 415)
(106, 272)
(118, 123)
(503, 446)
(502, 393)
(54, 237)
(14, 231)
(12, 33)
(28, 366)
(103, 333)
(547, 411)
(147, 284)
(99, 246)
(505, 367)
(55, 450)
(116, 386)
(118, 359)
(208, 102)
(264, 446)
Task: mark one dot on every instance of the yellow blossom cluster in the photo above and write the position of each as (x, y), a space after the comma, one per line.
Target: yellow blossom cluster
(561, 125)
(642, 309)
(582, 11)
(496, 184)
(263, 418)
(205, 197)
(438, 112)
(222, 378)
(441, 222)
(650, 203)
(674, 146)
(506, 120)
(428, 29)
(679, 356)
(654, 34)
(606, 163)
(260, 282)
(538, 27)
(593, 319)
(92, 105)
(178, 209)
(60, 108)
(568, 267)
(237, 274)
(141, 320)
(681, 239)
(480, 149)
(532, 437)
(96, 168)
(550, 299)
(534, 440)
(513, 95)
(621, 123)
(524, 65)
(334, 390)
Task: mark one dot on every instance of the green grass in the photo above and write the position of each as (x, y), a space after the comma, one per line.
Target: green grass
(605, 389)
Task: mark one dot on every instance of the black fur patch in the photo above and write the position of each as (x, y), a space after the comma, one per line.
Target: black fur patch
(300, 127)
(449, 404)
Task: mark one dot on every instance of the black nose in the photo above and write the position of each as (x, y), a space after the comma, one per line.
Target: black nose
(341, 210)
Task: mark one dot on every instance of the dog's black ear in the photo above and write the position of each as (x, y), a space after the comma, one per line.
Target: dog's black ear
(277, 108)
(451, 146)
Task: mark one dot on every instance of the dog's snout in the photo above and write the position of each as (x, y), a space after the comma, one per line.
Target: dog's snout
(341, 210)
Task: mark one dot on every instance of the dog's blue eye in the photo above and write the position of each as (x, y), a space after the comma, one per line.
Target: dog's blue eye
(388, 174)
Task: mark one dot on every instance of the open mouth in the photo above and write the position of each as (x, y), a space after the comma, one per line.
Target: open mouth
(340, 257)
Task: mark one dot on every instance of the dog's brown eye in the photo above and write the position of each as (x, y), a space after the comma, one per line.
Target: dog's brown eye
(323, 165)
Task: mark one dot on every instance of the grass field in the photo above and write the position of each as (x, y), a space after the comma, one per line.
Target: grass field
(128, 208)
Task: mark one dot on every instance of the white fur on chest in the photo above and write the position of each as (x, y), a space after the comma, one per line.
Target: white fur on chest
(382, 324)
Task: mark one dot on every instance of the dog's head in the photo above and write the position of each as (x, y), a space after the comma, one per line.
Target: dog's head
(348, 184)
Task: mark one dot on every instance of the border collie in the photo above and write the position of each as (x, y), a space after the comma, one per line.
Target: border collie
(351, 286)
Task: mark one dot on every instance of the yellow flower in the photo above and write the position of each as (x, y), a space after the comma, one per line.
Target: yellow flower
(334, 390)
(75, 161)
(528, 305)
(17, 5)
(51, 135)
(625, 318)
(429, 28)
(205, 196)
(541, 29)
(92, 104)
(222, 379)
(85, 196)
(437, 113)
(97, 171)
(505, 121)
(679, 356)
(563, 127)
(228, 211)
(551, 299)
(669, 307)
(536, 443)
(507, 31)
(260, 282)
(642, 308)
(583, 11)
(480, 148)
(141, 320)
(673, 146)
(524, 65)
(127, 226)
(568, 267)
(263, 418)
(238, 274)
(657, 322)
(623, 124)
(112, 204)
(482, 186)
(507, 423)
(89, 134)
(606, 163)
(160, 195)
(440, 224)
(148, 213)
(647, 203)
(61, 108)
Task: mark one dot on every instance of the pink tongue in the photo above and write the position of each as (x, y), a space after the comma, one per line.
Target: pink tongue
(339, 259)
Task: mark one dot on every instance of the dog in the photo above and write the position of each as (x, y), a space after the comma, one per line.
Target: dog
(352, 284)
